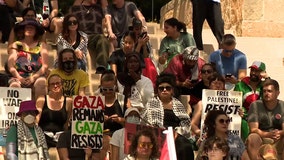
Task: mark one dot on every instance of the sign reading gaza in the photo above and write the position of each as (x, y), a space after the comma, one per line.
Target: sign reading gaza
(87, 122)
(10, 100)
(228, 101)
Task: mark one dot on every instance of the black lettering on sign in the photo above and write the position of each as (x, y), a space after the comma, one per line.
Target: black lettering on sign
(229, 109)
(13, 93)
(12, 115)
(8, 123)
(82, 141)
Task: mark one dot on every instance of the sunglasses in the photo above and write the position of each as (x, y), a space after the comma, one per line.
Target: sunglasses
(55, 83)
(162, 88)
(145, 145)
(227, 121)
(74, 22)
(206, 71)
(107, 89)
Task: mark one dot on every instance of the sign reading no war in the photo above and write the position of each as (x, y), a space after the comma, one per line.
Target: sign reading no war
(10, 100)
(87, 122)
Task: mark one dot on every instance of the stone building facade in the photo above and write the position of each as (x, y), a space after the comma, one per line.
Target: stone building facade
(247, 18)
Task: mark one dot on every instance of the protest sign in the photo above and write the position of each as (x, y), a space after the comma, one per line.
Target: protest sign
(228, 101)
(131, 129)
(10, 99)
(87, 122)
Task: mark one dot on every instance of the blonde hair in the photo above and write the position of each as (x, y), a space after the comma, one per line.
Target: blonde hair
(268, 152)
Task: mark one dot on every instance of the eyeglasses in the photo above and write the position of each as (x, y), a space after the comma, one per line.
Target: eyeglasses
(145, 145)
(206, 71)
(227, 121)
(228, 51)
(107, 89)
(55, 83)
(162, 88)
(74, 22)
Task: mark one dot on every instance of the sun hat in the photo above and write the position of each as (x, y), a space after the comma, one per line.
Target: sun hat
(20, 26)
(258, 65)
(25, 106)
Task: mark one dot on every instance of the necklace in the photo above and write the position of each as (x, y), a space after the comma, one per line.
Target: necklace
(87, 10)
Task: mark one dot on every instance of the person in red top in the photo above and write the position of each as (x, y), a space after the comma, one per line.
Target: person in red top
(186, 67)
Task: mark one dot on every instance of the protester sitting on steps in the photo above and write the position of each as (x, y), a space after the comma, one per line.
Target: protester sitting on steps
(27, 62)
(175, 41)
(26, 140)
(72, 37)
(75, 81)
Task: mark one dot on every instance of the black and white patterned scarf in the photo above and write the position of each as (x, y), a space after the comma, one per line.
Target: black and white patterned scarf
(27, 148)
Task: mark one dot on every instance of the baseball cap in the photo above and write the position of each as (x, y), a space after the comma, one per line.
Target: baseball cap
(130, 110)
(258, 65)
(190, 53)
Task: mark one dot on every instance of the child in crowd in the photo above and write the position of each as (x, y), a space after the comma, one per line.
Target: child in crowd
(216, 149)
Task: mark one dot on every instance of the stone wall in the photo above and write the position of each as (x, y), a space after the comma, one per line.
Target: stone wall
(252, 18)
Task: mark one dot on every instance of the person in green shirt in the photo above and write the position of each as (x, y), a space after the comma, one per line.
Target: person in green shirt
(26, 140)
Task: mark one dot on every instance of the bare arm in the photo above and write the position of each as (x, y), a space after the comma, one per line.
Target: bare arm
(54, 12)
(12, 60)
(114, 152)
(11, 3)
(254, 129)
(69, 112)
(245, 155)
(108, 24)
(242, 74)
(140, 16)
(39, 106)
(196, 118)
(11, 40)
(114, 68)
(82, 91)
(63, 153)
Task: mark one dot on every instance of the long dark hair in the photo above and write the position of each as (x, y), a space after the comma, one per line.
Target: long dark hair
(65, 29)
(175, 23)
(210, 121)
(60, 58)
(134, 143)
(125, 79)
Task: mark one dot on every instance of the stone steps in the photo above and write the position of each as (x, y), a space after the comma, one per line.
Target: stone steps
(268, 50)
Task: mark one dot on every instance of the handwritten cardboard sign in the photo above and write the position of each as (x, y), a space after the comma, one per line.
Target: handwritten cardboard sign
(87, 122)
(228, 101)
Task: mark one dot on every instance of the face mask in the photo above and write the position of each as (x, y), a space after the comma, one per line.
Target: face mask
(29, 119)
(133, 119)
(68, 66)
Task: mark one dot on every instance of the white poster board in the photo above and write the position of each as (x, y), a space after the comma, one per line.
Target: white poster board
(228, 101)
(10, 99)
(87, 122)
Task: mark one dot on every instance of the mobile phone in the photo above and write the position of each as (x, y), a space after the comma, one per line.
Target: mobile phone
(143, 34)
(228, 75)
(194, 81)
